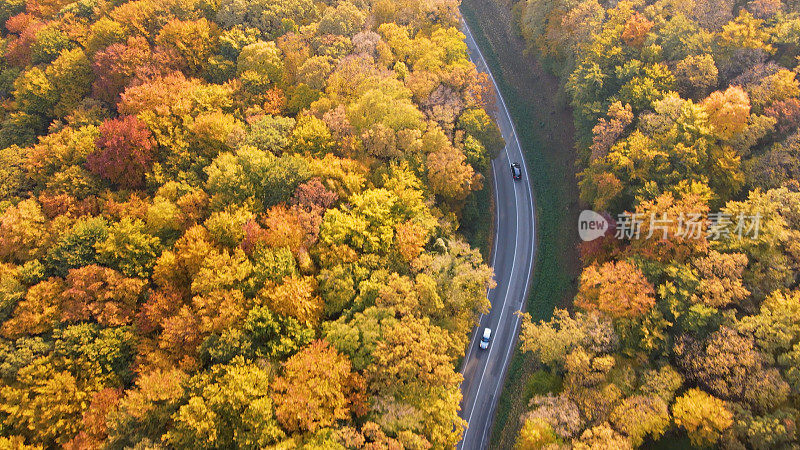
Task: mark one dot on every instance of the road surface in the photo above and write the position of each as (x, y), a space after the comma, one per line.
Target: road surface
(512, 260)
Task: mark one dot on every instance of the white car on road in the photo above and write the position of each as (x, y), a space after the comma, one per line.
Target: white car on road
(487, 336)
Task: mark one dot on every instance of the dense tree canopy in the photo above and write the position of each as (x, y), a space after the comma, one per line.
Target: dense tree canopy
(686, 116)
(234, 224)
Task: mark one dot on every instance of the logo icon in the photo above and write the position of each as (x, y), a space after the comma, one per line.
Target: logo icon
(591, 225)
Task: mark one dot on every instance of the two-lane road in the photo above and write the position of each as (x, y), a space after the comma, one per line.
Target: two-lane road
(512, 260)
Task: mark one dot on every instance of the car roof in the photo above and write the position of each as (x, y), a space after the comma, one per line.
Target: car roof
(487, 332)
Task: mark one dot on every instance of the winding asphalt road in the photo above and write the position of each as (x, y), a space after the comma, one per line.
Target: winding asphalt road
(512, 260)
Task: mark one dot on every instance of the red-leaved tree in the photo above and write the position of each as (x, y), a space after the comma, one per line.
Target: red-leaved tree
(115, 66)
(125, 152)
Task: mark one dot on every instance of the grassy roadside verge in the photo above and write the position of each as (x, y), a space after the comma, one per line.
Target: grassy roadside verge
(556, 204)
(477, 227)
(477, 224)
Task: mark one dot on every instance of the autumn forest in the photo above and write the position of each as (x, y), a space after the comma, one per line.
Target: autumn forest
(237, 224)
(256, 224)
(682, 109)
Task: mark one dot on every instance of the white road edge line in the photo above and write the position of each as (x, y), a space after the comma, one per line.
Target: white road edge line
(532, 217)
(508, 354)
(508, 116)
(500, 320)
(494, 259)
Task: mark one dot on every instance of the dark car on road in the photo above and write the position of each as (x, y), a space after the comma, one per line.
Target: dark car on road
(516, 171)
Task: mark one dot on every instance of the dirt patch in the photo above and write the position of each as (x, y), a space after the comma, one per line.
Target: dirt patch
(546, 132)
